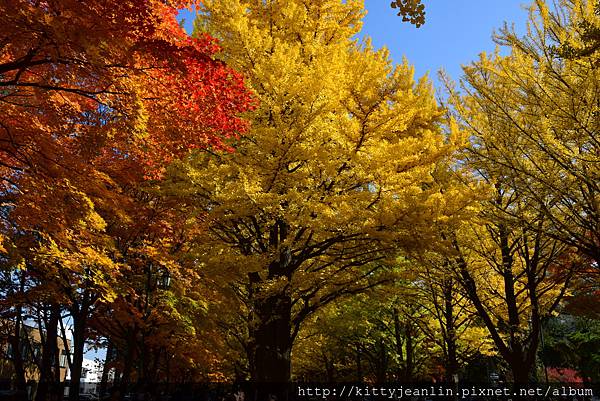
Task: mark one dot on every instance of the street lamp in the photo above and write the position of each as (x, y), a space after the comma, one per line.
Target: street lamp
(164, 279)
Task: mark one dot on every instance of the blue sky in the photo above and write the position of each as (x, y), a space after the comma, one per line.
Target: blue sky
(455, 31)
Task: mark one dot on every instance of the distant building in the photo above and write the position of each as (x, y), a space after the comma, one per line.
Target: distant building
(30, 347)
(91, 376)
(31, 352)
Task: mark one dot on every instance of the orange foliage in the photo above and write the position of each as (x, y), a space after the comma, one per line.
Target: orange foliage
(98, 95)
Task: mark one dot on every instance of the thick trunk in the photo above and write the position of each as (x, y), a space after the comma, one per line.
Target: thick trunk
(127, 365)
(382, 363)
(152, 374)
(522, 364)
(79, 323)
(17, 357)
(521, 371)
(272, 339)
(106, 368)
(78, 349)
(452, 362)
(49, 385)
(270, 324)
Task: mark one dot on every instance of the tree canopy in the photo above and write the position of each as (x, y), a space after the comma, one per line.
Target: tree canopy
(272, 199)
(334, 175)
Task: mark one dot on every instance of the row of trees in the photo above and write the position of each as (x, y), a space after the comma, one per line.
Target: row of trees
(324, 216)
(96, 99)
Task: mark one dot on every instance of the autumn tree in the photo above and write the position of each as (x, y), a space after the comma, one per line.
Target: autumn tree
(415, 328)
(538, 110)
(159, 302)
(373, 336)
(96, 98)
(412, 11)
(452, 321)
(532, 115)
(510, 267)
(86, 116)
(334, 174)
(74, 105)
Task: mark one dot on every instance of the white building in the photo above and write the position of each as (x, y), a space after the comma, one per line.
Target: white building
(91, 376)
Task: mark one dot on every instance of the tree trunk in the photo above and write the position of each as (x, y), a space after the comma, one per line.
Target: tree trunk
(106, 369)
(521, 365)
(127, 365)
(452, 362)
(398, 343)
(271, 334)
(520, 360)
(521, 371)
(270, 325)
(80, 315)
(17, 357)
(409, 367)
(381, 363)
(451, 347)
(329, 368)
(49, 386)
(359, 371)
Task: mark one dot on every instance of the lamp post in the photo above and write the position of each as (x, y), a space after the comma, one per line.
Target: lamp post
(164, 279)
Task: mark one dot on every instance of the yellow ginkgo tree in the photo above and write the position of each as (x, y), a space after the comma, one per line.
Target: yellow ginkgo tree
(533, 120)
(538, 111)
(333, 177)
